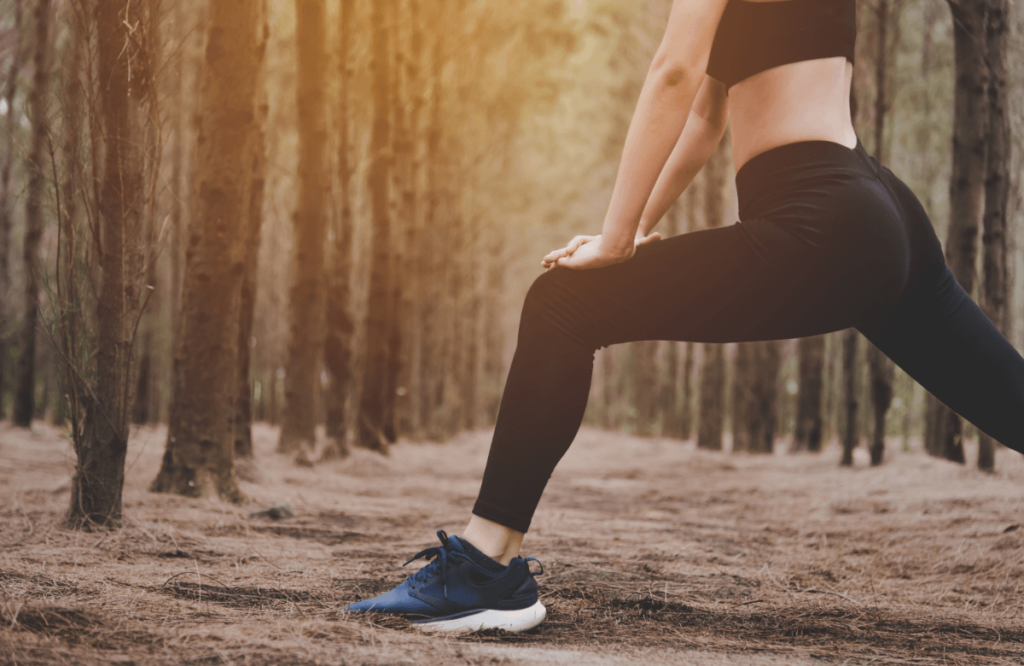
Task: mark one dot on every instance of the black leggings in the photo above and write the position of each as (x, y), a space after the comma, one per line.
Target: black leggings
(829, 239)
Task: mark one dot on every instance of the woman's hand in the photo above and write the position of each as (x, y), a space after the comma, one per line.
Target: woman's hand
(585, 252)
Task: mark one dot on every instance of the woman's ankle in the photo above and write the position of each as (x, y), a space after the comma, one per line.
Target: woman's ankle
(493, 539)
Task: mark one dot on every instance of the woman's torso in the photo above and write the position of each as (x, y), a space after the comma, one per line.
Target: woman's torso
(797, 101)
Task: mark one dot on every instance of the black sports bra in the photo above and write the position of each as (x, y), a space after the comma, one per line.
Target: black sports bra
(755, 36)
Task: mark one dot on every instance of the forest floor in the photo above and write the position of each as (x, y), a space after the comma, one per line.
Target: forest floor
(654, 552)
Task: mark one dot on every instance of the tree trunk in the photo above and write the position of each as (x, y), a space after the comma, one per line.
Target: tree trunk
(339, 324)
(609, 394)
(686, 410)
(644, 379)
(850, 392)
(494, 334)
(966, 188)
(668, 396)
(101, 436)
(44, 372)
(143, 378)
(812, 374)
(408, 393)
(755, 397)
(142, 402)
(70, 322)
(467, 340)
(763, 414)
(431, 267)
(712, 381)
(24, 397)
(302, 378)
(742, 398)
(199, 458)
(881, 398)
(400, 196)
(373, 401)
(177, 130)
(712, 398)
(247, 304)
(995, 286)
(10, 120)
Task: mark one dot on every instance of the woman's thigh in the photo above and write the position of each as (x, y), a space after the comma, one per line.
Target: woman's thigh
(754, 280)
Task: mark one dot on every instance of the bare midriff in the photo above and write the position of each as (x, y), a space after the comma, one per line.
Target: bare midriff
(799, 101)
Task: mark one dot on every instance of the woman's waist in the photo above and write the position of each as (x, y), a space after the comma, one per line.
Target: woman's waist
(799, 101)
(800, 171)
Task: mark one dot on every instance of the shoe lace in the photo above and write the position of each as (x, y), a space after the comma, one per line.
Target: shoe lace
(438, 564)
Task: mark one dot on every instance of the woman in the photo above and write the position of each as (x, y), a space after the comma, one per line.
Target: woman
(828, 239)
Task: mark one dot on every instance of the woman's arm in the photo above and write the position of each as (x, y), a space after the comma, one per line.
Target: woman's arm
(665, 101)
(701, 135)
(673, 80)
(668, 94)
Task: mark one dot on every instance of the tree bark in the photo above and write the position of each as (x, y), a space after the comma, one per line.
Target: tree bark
(339, 324)
(609, 392)
(966, 188)
(408, 393)
(712, 398)
(742, 399)
(881, 399)
(467, 338)
(24, 397)
(70, 324)
(177, 122)
(668, 395)
(431, 266)
(850, 433)
(199, 459)
(493, 331)
(809, 417)
(755, 397)
(373, 401)
(401, 196)
(142, 403)
(763, 415)
(6, 221)
(686, 409)
(645, 384)
(302, 378)
(101, 437)
(247, 305)
(995, 286)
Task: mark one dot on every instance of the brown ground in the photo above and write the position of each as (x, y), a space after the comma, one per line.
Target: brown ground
(654, 553)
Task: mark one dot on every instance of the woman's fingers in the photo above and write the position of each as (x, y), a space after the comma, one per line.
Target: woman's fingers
(551, 258)
(656, 236)
(576, 242)
(555, 254)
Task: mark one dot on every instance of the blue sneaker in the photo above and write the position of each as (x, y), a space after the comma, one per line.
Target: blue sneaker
(463, 590)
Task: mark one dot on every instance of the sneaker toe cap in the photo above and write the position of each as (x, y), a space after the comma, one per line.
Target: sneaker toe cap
(397, 601)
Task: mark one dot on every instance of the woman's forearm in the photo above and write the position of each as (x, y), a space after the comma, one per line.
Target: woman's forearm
(695, 146)
(657, 124)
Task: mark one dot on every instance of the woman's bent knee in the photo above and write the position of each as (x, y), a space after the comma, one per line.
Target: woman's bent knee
(555, 305)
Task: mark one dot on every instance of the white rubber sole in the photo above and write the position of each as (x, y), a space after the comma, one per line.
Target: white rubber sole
(511, 621)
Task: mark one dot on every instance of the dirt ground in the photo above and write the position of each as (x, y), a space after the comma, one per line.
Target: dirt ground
(654, 552)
